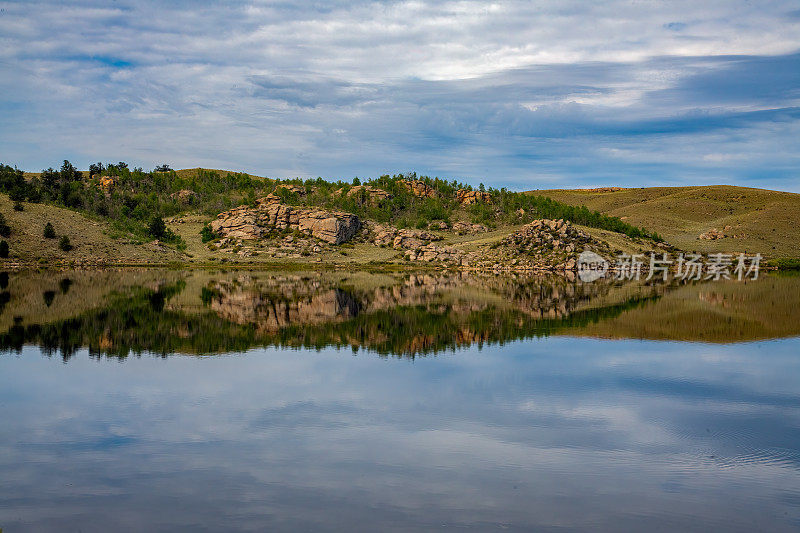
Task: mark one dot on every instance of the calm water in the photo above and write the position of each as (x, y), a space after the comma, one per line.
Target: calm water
(242, 401)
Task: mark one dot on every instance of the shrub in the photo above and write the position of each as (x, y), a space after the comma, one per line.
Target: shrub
(3, 249)
(207, 234)
(18, 207)
(5, 229)
(157, 228)
(64, 244)
(49, 231)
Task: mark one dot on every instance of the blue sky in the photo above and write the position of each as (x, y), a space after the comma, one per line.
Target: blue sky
(518, 94)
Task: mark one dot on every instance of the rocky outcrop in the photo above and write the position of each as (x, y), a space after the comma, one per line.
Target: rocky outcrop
(373, 195)
(714, 234)
(401, 239)
(431, 252)
(466, 228)
(467, 197)
(254, 222)
(419, 188)
(552, 243)
(107, 182)
(291, 187)
(711, 235)
(184, 196)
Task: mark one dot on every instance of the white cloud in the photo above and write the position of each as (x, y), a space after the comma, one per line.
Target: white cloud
(468, 88)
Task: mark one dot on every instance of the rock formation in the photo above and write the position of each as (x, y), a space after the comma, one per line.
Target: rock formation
(374, 195)
(466, 197)
(401, 238)
(184, 196)
(291, 187)
(254, 222)
(419, 188)
(712, 235)
(552, 243)
(465, 228)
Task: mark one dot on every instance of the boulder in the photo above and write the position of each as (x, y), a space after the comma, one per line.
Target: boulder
(466, 228)
(402, 238)
(253, 223)
(291, 187)
(712, 235)
(419, 188)
(184, 196)
(239, 223)
(467, 197)
(374, 195)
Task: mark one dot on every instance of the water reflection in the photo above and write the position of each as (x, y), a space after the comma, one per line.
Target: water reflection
(116, 313)
(528, 418)
(554, 433)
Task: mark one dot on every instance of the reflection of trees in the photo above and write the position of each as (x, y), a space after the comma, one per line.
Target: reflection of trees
(410, 316)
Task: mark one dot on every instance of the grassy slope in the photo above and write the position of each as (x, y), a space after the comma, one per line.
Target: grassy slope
(764, 221)
(91, 239)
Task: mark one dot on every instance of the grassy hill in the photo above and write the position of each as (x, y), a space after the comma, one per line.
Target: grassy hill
(113, 213)
(753, 220)
(91, 240)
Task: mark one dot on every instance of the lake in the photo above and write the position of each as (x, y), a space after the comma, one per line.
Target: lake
(169, 400)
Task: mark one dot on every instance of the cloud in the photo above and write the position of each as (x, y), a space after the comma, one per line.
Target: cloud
(509, 93)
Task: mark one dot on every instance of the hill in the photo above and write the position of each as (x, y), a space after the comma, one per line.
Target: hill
(202, 215)
(92, 240)
(745, 219)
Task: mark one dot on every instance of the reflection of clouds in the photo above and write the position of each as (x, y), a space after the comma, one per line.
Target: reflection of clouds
(520, 435)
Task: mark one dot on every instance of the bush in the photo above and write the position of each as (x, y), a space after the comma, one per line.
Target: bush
(5, 229)
(49, 231)
(64, 244)
(3, 249)
(157, 228)
(207, 234)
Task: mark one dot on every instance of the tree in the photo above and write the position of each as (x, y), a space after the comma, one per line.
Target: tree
(49, 231)
(157, 228)
(356, 181)
(50, 178)
(68, 172)
(5, 229)
(3, 249)
(207, 234)
(64, 244)
(163, 168)
(95, 169)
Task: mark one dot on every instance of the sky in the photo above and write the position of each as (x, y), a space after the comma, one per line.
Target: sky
(524, 95)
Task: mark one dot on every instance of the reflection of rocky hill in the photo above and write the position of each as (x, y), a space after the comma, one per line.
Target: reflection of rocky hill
(270, 312)
(452, 302)
(405, 314)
